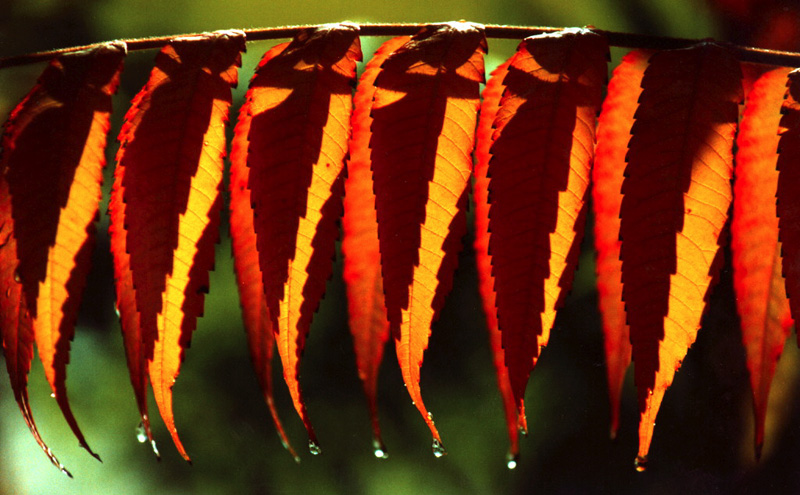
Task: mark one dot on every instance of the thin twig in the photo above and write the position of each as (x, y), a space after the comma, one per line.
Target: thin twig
(615, 38)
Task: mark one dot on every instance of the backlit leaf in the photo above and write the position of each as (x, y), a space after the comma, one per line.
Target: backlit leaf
(257, 322)
(540, 169)
(52, 161)
(166, 202)
(758, 283)
(299, 109)
(613, 134)
(677, 193)
(491, 104)
(424, 113)
(362, 259)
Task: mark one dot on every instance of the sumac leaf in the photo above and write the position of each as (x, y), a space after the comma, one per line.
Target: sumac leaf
(539, 173)
(52, 161)
(489, 107)
(257, 321)
(759, 286)
(424, 114)
(676, 196)
(788, 190)
(613, 134)
(362, 259)
(299, 106)
(165, 205)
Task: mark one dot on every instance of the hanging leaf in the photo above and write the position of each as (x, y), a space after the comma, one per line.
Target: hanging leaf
(424, 114)
(613, 134)
(257, 321)
(362, 260)
(491, 104)
(299, 109)
(52, 161)
(165, 204)
(758, 283)
(676, 197)
(542, 153)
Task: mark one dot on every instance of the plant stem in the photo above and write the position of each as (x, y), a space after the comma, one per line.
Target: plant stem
(619, 39)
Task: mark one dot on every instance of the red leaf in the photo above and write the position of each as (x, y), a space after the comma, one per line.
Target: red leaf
(424, 112)
(758, 283)
(613, 134)
(257, 321)
(489, 108)
(541, 158)
(362, 260)
(676, 197)
(299, 105)
(788, 184)
(165, 204)
(52, 161)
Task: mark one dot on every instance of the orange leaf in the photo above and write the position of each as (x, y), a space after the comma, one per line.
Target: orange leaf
(788, 184)
(541, 159)
(491, 104)
(52, 163)
(362, 260)
(758, 283)
(165, 204)
(676, 197)
(613, 134)
(299, 109)
(424, 112)
(257, 321)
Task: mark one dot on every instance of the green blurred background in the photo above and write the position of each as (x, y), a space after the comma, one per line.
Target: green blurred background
(703, 441)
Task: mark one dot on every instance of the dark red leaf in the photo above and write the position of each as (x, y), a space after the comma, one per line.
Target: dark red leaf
(257, 321)
(165, 205)
(613, 134)
(542, 153)
(491, 104)
(677, 193)
(300, 103)
(758, 283)
(52, 161)
(424, 112)
(362, 259)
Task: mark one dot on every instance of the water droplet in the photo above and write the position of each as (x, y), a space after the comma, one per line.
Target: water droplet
(512, 460)
(438, 448)
(641, 463)
(52, 395)
(155, 449)
(141, 434)
(16, 277)
(116, 310)
(206, 143)
(314, 448)
(430, 417)
(379, 449)
(8, 292)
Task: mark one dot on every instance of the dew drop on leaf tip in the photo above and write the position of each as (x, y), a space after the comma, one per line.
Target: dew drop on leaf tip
(141, 434)
(438, 448)
(314, 448)
(512, 460)
(641, 463)
(379, 449)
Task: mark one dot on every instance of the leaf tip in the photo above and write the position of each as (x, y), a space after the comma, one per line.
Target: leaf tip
(379, 449)
(512, 460)
(438, 449)
(640, 463)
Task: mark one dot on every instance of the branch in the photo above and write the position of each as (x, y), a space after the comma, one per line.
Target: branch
(615, 38)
